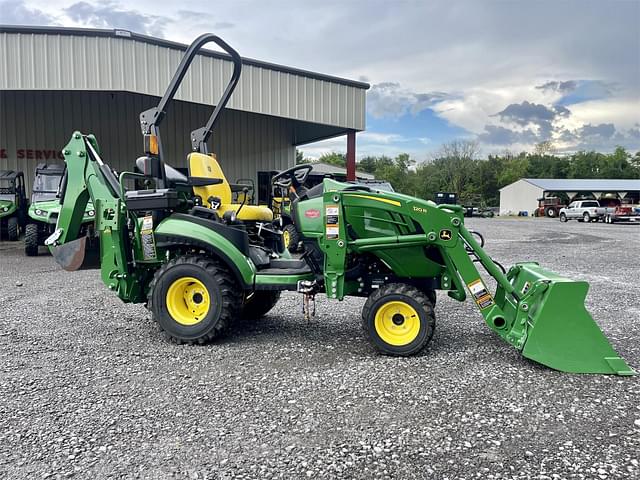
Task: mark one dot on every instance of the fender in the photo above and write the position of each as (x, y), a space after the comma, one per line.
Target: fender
(178, 230)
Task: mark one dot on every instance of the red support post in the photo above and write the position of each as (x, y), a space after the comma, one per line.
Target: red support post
(351, 156)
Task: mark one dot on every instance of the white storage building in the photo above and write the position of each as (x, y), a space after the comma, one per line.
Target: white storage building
(523, 195)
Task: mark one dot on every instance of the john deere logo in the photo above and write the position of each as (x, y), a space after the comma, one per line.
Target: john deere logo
(445, 234)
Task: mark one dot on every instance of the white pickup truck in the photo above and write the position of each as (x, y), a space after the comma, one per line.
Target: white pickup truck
(583, 211)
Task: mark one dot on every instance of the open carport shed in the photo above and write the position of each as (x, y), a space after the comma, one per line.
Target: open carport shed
(523, 195)
(57, 80)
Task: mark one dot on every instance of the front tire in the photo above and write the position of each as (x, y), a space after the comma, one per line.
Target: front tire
(398, 319)
(194, 299)
(291, 238)
(586, 217)
(563, 217)
(431, 295)
(13, 229)
(31, 240)
(259, 304)
(551, 212)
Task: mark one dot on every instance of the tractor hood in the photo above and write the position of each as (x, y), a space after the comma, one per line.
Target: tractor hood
(7, 208)
(48, 211)
(310, 211)
(330, 185)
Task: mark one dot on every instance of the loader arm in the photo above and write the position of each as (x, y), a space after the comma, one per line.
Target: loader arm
(87, 178)
(536, 311)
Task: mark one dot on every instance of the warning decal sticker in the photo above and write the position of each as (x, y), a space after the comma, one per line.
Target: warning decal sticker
(332, 221)
(480, 294)
(146, 238)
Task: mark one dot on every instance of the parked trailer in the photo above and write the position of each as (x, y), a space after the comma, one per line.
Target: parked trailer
(622, 213)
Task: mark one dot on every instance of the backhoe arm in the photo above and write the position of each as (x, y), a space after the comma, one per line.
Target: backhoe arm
(87, 178)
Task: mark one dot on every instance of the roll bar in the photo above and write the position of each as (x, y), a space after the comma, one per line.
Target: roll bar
(151, 119)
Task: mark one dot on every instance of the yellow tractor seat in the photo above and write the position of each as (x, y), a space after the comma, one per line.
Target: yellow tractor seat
(201, 165)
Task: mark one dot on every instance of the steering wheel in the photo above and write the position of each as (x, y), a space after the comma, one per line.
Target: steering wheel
(292, 177)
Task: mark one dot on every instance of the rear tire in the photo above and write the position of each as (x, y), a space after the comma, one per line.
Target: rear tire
(398, 319)
(31, 240)
(586, 217)
(194, 299)
(259, 304)
(563, 217)
(291, 238)
(13, 229)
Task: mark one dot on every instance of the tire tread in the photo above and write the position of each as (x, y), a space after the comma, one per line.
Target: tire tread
(400, 289)
(231, 295)
(31, 240)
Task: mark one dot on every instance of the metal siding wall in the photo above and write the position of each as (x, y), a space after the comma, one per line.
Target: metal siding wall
(519, 196)
(66, 62)
(44, 120)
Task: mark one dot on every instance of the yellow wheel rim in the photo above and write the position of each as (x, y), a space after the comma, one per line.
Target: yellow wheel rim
(286, 237)
(397, 323)
(188, 301)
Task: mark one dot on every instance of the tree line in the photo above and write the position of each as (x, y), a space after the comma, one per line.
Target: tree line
(457, 167)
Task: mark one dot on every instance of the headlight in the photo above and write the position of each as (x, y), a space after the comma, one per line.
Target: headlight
(91, 213)
(40, 212)
(5, 209)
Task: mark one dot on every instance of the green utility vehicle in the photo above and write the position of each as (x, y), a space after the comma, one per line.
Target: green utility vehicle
(201, 265)
(45, 208)
(13, 204)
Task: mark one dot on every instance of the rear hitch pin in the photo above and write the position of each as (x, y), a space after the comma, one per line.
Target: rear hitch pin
(307, 288)
(309, 306)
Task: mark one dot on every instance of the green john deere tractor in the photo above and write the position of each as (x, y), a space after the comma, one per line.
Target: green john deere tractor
(13, 204)
(45, 208)
(200, 262)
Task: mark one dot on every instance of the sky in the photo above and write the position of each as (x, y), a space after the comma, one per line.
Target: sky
(506, 74)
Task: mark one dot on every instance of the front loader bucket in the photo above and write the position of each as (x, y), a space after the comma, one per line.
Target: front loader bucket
(560, 332)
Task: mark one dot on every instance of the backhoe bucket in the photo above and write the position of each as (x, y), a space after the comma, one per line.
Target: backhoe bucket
(70, 255)
(561, 334)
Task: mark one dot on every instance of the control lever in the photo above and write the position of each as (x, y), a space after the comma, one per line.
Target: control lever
(245, 190)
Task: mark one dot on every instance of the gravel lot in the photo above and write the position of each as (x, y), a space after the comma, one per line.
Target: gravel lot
(89, 388)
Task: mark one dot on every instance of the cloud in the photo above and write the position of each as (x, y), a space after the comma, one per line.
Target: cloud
(377, 137)
(526, 112)
(556, 86)
(601, 137)
(15, 12)
(203, 19)
(371, 143)
(604, 130)
(391, 100)
(113, 15)
(498, 135)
